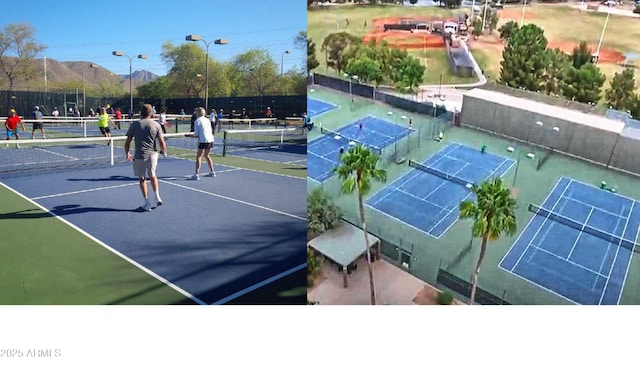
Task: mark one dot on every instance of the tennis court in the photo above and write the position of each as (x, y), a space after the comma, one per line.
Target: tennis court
(579, 243)
(317, 107)
(211, 241)
(324, 153)
(428, 196)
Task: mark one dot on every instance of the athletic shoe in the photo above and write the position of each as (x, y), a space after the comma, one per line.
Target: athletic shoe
(159, 202)
(211, 174)
(147, 206)
(194, 177)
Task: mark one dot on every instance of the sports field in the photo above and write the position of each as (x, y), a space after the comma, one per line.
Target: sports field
(74, 231)
(588, 259)
(564, 27)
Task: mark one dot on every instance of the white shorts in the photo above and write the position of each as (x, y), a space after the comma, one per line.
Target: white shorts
(142, 167)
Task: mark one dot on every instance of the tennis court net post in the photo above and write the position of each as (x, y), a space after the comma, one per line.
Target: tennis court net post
(440, 174)
(606, 236)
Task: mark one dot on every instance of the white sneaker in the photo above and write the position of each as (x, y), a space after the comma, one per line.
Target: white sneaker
(211, 174)
(147, 206)
(194, 177)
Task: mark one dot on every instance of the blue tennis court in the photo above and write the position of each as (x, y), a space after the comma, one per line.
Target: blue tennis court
(213, 240)
(581, 246)
(429, 202)
(323, 154)
(317, 107)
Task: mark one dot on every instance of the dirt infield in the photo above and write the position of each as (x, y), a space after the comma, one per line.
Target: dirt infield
(607, 55)
(405, 39)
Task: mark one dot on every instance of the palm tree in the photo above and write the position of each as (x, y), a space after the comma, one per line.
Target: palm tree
(493, 213)
(357, 168)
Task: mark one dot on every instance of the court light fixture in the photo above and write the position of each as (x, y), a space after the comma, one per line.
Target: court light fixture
(196, 38)
(119, 53)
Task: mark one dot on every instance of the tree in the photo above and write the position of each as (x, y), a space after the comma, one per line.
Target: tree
(322, 214)
(583, 84)
(621, 94)
(301, 42)
(334, 45)
(258, 74)
(492, 20)
(477, 28)
(413, 2)
(312, 61)
(356, 169)
(158, 89)
(188, 70)
(411, 74)
(558, 62)
(18, 51)
(525, 59)
(493, 213)
(581, 55)
(508, 29)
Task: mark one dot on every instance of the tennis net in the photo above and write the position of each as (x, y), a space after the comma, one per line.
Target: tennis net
(438, 173)
(238, 140)
(43, 154)
(631, 245)
(346, 140)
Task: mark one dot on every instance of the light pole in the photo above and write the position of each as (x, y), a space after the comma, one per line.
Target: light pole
(84, 87)
(140, 56)
(282, 61)
(196, 38)
(546, 130)
(601, 38)
(351, 78)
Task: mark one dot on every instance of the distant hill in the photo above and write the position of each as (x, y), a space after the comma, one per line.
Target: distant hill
(65, 73)
(141, 76)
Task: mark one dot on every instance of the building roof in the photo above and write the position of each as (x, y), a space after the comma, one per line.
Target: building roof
(565, 114)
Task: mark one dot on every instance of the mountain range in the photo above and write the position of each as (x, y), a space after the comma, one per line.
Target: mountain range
(63, 74)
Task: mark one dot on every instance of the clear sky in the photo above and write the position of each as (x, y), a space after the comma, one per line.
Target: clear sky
(82, 30)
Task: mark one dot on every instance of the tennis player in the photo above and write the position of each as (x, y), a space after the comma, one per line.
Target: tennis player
(38, 125)
(103, 124)
(145, 159)
(11, 124)
(202, 131)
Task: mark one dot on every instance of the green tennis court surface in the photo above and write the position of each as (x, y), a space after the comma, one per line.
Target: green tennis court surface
(448, 262)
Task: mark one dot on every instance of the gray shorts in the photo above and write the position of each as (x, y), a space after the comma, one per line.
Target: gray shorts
(142, 167)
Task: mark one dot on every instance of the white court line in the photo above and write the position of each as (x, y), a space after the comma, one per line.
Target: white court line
(594, 187)
(581, 231)
(616, 258)
(112, 250)
(628, 263)
(566, 260)
(234, 200)
(541, 226)
(55, 153)
(83, 191)
(294, 162)
(259, 285)
(527, 226)
(539, 286)
(618, 215)
(267, 160)
(401, 221)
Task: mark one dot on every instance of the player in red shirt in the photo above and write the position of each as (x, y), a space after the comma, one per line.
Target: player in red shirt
(118, 117)
(11, 125)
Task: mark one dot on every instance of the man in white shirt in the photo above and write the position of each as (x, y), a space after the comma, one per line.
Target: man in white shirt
(203, 132)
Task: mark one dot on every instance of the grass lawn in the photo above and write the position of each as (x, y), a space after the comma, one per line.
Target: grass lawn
(322, 22)
(561, 23)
